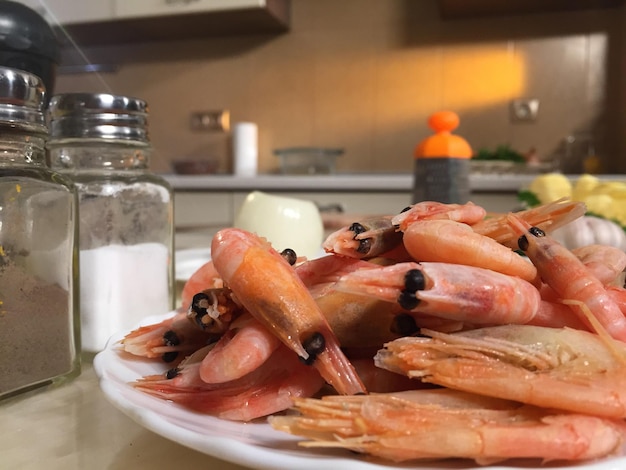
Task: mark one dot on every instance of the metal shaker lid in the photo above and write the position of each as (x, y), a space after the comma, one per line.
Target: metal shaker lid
(98, 116)
(22, 97)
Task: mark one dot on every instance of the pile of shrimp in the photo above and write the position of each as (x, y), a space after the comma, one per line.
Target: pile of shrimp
(438, 332)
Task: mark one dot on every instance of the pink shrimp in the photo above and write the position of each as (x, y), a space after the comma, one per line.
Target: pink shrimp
(448, 241)
(441, 424)
(205, 277)
(169, 340)
(569, 278)
(547, 217)
(560, 368)
(244, 348)
(605, 262)
(452, 291)
(268, 389)
(365, 238)
(270, 290)
(468, 213)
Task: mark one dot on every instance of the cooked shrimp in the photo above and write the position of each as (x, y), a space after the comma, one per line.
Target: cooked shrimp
(468, 213)
(569, 278)
(557, 368)
(270, 388)
(547, 217)
(440, 424)
(452, 291)
(244, 348)
(364, 239)
(169, 340)
(448, 241)
(268, 287)
(205, 277)
(605, 262)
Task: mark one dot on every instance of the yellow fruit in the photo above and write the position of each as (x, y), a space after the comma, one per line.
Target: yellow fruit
(550, 187)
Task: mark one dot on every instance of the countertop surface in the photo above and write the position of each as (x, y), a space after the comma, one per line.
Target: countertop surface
(74, 427)
(388, 182)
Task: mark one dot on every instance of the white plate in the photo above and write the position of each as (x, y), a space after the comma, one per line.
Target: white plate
(186, 262)
(255, 445)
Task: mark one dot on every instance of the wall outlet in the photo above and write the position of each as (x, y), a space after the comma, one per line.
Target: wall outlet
(524, 110)
(210, 121)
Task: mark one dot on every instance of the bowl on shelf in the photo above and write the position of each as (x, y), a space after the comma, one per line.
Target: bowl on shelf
(308, 160)
(199, 166)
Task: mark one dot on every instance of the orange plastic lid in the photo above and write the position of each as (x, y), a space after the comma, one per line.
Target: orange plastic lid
(443, 144)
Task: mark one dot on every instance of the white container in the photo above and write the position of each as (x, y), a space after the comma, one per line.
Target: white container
(284, 221)
(245, 149)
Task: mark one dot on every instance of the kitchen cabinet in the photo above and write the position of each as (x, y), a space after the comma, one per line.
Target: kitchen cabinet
(452, 9)
(109, 22)
(61, 12)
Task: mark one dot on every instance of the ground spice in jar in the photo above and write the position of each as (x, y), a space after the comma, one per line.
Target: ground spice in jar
(35, 331)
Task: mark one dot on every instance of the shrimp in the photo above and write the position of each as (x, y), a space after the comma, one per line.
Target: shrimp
(440, 424)
(560, 368)
(548, 217)
(455, 242)
(268, 287)
(452, 291)
(364, 239)
(468, 213)
(244, 348)
(605, 262)
(569, 278)
(205, 277)
(169, 340)
(268, 389)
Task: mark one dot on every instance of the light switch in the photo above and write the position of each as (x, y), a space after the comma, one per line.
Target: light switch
(524, 110)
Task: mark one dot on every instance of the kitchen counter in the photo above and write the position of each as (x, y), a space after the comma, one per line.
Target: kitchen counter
(74, 427)
(370, 182)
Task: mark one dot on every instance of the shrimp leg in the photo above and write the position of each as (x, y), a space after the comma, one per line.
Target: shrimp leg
(268, 287)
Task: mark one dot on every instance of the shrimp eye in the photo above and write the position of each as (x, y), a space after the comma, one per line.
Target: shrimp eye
(356, 228)
(170, 374)
(313, 345)
(365, 246)
(289, 255)
(414, 280)
(170, 338)
(522, 242)
(404, 325)
(407, 300)
(537, 232)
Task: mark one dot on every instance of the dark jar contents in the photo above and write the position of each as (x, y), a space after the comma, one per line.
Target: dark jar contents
(39, 329)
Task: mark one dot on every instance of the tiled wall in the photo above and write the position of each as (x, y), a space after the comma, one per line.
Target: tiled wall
(365, 74)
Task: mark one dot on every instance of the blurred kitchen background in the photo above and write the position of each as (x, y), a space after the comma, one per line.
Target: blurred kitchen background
(362, 75)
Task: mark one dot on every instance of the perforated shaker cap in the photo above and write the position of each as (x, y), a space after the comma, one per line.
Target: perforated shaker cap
(98, 116)
(22, 97)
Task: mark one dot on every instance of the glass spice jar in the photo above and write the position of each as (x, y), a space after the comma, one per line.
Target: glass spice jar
(126, 212)
(39, 330)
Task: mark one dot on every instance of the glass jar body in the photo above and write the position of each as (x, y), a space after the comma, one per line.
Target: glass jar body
(126, 236)
(39, 320)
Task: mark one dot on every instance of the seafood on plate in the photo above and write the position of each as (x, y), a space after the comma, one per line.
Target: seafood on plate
(559, 368)
(259, 317)
(443, 423)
